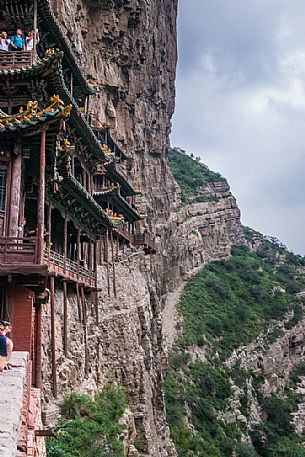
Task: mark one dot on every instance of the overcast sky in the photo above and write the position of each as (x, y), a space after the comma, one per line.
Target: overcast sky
(241, 105)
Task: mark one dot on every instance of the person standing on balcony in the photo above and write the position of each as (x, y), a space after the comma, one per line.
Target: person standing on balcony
(6, 346)
(17, 41)
(29, 41)
(5, 42)
(22, 231)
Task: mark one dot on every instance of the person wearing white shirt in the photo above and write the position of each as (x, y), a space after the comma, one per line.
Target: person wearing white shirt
(29, 41)
(5, 42)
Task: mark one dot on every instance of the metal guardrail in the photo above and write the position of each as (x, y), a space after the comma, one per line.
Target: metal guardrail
(15, 59)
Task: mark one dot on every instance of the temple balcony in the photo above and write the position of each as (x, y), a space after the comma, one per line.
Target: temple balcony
(144, 240)
(117, 174)
(12, 60)
(20, 256)
(125, 234)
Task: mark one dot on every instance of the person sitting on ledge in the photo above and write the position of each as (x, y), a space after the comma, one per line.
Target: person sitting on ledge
(5, 42)
(6, 346)
(17, 41)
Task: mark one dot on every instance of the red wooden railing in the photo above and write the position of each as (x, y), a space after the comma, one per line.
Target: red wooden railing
(143, 239)
(125, 234)
(22, 251)
(17, 250)
(68, 265)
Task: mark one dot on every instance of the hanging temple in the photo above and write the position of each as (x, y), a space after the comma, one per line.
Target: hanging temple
(65, 195)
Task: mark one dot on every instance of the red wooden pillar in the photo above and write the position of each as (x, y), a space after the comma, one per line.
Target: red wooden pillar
(84, 178)
(78, 248)
(41, 197)
(113, 265)
(65, 241)
(49, 229)
(73, 165)
(15, 195)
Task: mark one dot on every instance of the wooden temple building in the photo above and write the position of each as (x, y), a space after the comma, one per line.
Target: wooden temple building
(64, 194)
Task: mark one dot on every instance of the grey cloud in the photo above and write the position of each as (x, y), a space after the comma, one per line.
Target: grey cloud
(241, 104)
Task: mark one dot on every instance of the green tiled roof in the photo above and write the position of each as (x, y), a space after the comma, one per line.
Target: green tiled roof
(34, 69)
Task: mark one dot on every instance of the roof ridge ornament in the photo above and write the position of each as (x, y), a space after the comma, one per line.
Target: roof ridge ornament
(57, 109)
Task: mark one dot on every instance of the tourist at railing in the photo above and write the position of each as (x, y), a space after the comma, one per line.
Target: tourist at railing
(5, 42)
(22, 231)
(17, 41)
(6, 346)
(29, 41)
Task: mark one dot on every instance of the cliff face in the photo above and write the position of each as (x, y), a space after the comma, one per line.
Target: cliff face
(128, 50)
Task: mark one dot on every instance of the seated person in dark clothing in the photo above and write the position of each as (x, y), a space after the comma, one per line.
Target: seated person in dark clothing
(6, 346)
(17, 42)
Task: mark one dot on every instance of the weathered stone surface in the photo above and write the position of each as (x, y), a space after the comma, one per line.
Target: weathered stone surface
(11, 393)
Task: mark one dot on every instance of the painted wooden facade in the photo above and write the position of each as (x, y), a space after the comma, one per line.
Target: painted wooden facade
(64, 195)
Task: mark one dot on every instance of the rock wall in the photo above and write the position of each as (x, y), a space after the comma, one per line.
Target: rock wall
(274, 361)
(128, 49)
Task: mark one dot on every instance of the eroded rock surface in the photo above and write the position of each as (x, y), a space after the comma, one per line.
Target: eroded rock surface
(128, 50)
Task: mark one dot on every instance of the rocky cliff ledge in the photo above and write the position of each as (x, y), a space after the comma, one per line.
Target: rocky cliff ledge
(128, 49)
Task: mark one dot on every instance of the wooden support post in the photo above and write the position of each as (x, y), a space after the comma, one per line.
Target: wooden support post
(71, 84)
(107, 261)
(89, 189)
(73, 165)
(78, 251)
(49, 229)
(41, 197)
(95, 293)
(87, 105)
(96, 308)
(79, 309)
(84, 178)
(113, 266)
(98, 371)
(15, 195)
(84, 306)
(53, 348)
(90, 256)
(65, 342)
(117, 247)
(34, 52)
(65, 241)
(7, 199)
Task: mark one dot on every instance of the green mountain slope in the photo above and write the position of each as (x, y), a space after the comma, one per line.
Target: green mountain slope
(225, 306)
(192, 176)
